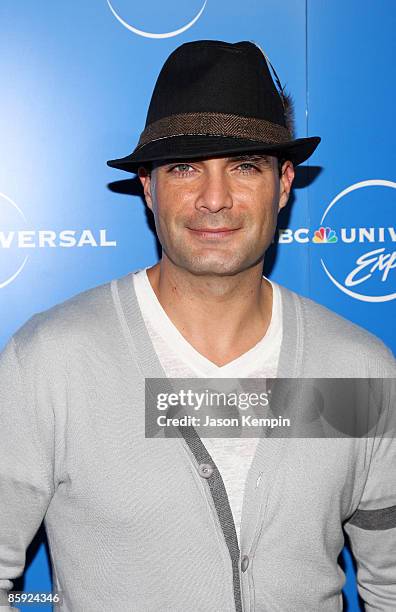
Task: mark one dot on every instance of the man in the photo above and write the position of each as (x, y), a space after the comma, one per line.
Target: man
(155, 523)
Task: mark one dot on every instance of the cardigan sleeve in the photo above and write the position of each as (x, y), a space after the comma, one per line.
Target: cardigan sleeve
(372, 528)
(26, 475)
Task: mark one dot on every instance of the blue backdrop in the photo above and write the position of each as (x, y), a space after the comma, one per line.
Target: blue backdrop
(76, 81)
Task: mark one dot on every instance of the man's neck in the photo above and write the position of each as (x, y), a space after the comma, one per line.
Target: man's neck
(222, 317)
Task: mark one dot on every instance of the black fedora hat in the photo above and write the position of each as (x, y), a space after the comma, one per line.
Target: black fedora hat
(217, 98)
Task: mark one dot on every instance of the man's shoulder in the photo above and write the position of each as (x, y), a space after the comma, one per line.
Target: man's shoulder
(87, 314)
(332, 336)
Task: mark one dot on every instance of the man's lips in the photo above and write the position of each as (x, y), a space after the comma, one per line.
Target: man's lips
(211, 232)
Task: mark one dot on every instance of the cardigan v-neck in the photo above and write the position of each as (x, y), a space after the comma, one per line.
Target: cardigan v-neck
(177, 349)
(290, 358)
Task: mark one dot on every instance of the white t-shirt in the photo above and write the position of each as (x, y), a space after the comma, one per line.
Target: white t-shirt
(179, 359)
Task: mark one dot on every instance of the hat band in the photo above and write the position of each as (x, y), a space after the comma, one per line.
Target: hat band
(215, 124)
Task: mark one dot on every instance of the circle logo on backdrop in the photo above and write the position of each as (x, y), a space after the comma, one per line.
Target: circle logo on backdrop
(362, 264)
(139, 32)
(17, 241)
(356, 240)
(11, 216)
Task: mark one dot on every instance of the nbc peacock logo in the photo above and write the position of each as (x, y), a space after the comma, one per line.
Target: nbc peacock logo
(325, 235)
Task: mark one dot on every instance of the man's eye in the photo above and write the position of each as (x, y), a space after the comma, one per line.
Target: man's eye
(181, 168)
(247, 167)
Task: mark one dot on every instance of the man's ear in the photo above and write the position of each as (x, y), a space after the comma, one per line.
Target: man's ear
(145, 178)
(286, 180)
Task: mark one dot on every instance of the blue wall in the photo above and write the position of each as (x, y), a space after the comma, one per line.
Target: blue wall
(75, 88)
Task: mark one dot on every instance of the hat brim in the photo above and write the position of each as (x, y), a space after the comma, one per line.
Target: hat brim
(193, 147)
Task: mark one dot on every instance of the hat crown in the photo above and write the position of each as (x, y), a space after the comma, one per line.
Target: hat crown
(217, 98)
(210, 76)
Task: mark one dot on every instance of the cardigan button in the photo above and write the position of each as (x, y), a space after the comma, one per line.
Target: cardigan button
(244, 563)
(205, 470)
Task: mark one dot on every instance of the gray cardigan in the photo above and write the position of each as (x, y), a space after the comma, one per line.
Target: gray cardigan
(134, 523)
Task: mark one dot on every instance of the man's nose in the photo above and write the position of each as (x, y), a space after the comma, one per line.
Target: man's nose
(215, 192)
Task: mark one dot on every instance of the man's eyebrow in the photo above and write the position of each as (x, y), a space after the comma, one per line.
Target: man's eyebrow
(246, 157)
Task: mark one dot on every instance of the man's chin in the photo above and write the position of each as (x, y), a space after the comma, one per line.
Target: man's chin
(203, 267)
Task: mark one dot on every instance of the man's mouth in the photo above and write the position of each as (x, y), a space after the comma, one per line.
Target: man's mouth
(213, 232)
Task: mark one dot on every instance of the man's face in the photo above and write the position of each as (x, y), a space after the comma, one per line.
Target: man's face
(217, 215)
